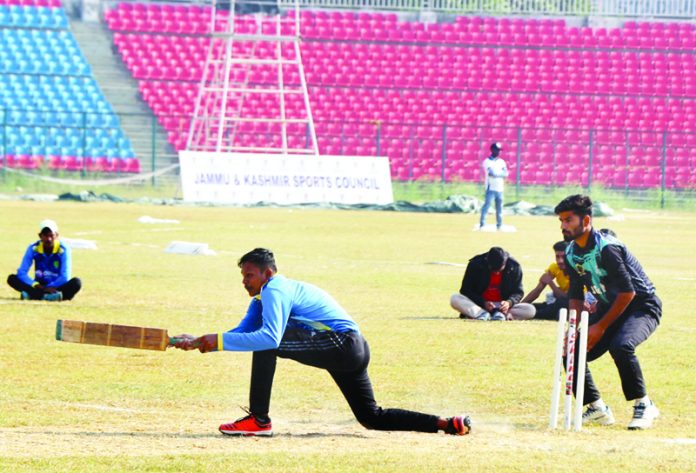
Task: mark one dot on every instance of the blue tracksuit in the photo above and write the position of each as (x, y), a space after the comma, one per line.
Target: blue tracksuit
(50, 270)
(286, 303)
(296, 320)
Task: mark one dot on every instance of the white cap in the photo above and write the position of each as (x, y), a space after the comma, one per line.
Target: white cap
(48, 223)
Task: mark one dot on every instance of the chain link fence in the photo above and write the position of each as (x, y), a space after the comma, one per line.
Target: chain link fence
(634, 163)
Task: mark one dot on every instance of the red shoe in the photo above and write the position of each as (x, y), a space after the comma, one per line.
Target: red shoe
(248, 426)
(458, 425)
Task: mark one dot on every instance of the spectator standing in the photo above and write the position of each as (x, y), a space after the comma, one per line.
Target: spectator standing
(495, 171)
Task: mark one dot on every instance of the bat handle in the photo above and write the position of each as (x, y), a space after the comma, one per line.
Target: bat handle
(174, 340)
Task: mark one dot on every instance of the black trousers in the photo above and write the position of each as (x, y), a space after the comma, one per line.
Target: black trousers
(345, 356)
(69, 289)
(621, 341)
(546, 311)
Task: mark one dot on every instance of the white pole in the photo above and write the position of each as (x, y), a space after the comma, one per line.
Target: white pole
(556, 389)
(582, 362)
(570, 367)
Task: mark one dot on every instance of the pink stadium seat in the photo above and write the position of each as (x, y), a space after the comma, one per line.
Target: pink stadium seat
(26, 161)
(571, 84)
(102, 164)
(72, 163)
(117, 165)
(90, 164)
(619, 178)
(54, 162)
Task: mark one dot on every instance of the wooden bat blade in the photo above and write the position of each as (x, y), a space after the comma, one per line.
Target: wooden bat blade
(112, 335)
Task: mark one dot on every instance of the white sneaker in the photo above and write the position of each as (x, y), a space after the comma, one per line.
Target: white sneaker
(595, 415)
(643, 416)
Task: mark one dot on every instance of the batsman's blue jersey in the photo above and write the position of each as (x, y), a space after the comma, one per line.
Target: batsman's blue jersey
(50, 269)
(606, 267)
(286, 303)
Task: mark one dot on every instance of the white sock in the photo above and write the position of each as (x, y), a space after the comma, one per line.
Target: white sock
(645, 399)
(599, 404)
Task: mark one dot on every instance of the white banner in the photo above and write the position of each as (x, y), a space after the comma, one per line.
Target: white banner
(236, 178)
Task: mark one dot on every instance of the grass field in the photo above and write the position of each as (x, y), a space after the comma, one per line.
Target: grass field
(69, 407)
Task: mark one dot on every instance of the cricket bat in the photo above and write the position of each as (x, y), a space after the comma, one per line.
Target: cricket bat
(113, 335)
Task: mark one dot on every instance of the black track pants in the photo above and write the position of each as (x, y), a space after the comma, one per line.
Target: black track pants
(345, 356)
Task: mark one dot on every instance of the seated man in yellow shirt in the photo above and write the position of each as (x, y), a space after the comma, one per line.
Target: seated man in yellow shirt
(556, 279)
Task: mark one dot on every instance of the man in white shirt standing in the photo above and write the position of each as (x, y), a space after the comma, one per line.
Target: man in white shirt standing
(495, 171)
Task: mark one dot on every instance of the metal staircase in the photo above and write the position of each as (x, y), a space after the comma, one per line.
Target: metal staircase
(253, 97)
(121, 90)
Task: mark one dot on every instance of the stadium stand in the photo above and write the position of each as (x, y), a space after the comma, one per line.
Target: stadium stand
(54, 114)
(603, 105)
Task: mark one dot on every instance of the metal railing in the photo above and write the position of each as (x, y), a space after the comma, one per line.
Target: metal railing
(71, 141)
(674, 9)
(646, 9)
(627, 161)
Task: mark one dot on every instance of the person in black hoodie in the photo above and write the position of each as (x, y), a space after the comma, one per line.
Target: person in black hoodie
(492, 289)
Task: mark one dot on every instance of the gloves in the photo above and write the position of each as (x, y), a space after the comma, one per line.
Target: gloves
(207, 343)
(204, 343)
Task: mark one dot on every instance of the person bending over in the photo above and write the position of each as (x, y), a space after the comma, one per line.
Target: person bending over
(296, 320)
(628, 310)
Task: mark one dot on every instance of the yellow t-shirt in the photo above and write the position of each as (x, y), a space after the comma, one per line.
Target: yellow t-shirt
(562, 280)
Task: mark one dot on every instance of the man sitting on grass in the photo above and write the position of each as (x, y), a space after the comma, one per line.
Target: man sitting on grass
(492, 289)
(52, 265)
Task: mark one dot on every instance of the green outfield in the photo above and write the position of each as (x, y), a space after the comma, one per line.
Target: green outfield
(70, 407)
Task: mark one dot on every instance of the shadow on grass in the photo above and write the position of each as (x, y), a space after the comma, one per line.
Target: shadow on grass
(309, 435)
(131, 434)
(210, 435)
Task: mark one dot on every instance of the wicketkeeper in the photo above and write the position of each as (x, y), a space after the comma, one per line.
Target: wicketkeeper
(628, 310)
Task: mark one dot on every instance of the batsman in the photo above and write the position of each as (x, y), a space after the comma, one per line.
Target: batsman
(628, 310)
(296, 320)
